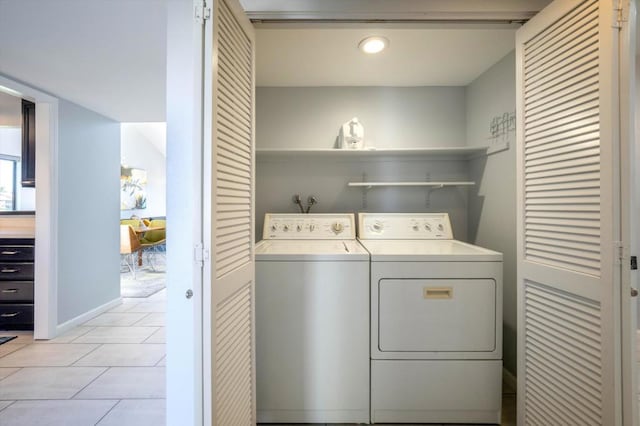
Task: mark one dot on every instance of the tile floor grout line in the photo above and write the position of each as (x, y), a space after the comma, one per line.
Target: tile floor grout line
(17, 369)
(12, 402)
(77, 337)
(107, 413)
(136, 323)
(96, 378)
(149, 337)
(73, 364)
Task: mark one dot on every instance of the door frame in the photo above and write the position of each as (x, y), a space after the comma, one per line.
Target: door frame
(185, 351)
(630, 186)
(46, 219)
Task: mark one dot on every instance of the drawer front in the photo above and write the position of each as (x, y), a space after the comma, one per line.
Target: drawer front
(16, 291)
(19, 271)
(16, 253)
(437, 315)
(16, 314)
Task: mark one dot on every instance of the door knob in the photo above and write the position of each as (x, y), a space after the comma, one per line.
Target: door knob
(634, 292)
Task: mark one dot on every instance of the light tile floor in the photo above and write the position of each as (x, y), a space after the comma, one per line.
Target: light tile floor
(109, 371)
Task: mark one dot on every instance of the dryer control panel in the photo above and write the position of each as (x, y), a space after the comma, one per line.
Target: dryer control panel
(404, 226)
(282, 226)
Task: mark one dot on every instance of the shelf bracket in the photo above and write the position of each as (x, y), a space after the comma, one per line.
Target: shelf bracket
(365, 190)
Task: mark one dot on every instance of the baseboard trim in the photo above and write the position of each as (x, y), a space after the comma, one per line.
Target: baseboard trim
(509, 379)
(80, 319)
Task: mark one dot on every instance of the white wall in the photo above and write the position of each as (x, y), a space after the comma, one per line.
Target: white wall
(492, 202)
(139, 145)
(88, 211)
(304, 118)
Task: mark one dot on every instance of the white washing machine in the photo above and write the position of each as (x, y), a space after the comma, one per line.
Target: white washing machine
(436, 322)
(312, 321)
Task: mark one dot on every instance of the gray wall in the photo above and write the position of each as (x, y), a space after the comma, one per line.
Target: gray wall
(492, 202)
(88, 210)
(306, 118)
(393, 117)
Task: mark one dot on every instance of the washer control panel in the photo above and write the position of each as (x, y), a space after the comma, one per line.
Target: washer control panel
(328, 226)
(404, 226)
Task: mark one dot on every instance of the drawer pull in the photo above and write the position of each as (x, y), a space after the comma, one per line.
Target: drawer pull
(9, 271)
(437, 293)
(10, 290)
(10, 315)
(10, 253)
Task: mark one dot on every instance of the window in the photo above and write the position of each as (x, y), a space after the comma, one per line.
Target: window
(8, 174)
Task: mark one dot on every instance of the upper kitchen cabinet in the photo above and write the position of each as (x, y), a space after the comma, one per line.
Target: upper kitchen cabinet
(28, 144)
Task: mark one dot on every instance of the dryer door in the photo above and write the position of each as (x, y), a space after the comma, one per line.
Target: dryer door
(437, 315)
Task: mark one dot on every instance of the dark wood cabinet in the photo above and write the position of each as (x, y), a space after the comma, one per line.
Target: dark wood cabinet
(28, 144)
(16, 283)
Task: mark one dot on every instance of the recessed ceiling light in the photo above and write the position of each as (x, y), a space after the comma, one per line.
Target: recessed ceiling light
(373, 44)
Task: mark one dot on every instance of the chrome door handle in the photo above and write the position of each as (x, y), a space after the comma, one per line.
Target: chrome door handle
(9, 271)
(10, 315)
(10, 253)
(10, 290)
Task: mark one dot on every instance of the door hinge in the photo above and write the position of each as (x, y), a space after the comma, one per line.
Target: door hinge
(634, 263)
(620, 14)
(619, 252)
(202, 12)
(200, 254)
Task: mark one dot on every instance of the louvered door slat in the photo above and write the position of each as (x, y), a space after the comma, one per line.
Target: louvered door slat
(573, 347)
(564, 108)
(580, 58)
(233, 359)
(561, 96)
(232, 206)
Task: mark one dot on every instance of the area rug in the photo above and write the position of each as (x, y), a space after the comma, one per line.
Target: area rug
(5, 339)
(143, 286)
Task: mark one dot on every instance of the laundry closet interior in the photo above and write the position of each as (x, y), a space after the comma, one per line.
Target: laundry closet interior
(437, 105)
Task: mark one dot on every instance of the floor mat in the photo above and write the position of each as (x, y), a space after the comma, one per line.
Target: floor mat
(143, 286)
(5, 339)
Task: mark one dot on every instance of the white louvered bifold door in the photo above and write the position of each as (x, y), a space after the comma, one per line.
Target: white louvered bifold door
(568, 207)
(230, 208)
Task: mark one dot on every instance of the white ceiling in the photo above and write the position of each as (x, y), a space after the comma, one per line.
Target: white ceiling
(415, 57)
(109, 55)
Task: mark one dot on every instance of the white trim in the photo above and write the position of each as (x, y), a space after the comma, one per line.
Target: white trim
(629, 211)
(46, 219)
(82, 318)
(397, 10)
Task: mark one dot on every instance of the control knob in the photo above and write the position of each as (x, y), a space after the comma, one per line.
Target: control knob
(274, 228)
(377, 226)
(299, 228)
(311, 227)
(337, 227)
(285, 228)
(415, 227)
(440, 227)
(427, 227)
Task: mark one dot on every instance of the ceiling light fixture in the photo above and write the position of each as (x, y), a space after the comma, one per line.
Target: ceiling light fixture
(374, 44)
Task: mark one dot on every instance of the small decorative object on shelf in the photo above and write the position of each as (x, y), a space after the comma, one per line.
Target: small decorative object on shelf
(351, 135)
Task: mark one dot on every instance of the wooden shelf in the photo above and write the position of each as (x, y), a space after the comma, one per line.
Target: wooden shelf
(423, 184)
(463, 151)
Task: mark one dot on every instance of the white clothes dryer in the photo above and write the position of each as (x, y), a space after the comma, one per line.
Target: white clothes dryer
(312, 321)
(436, 322)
